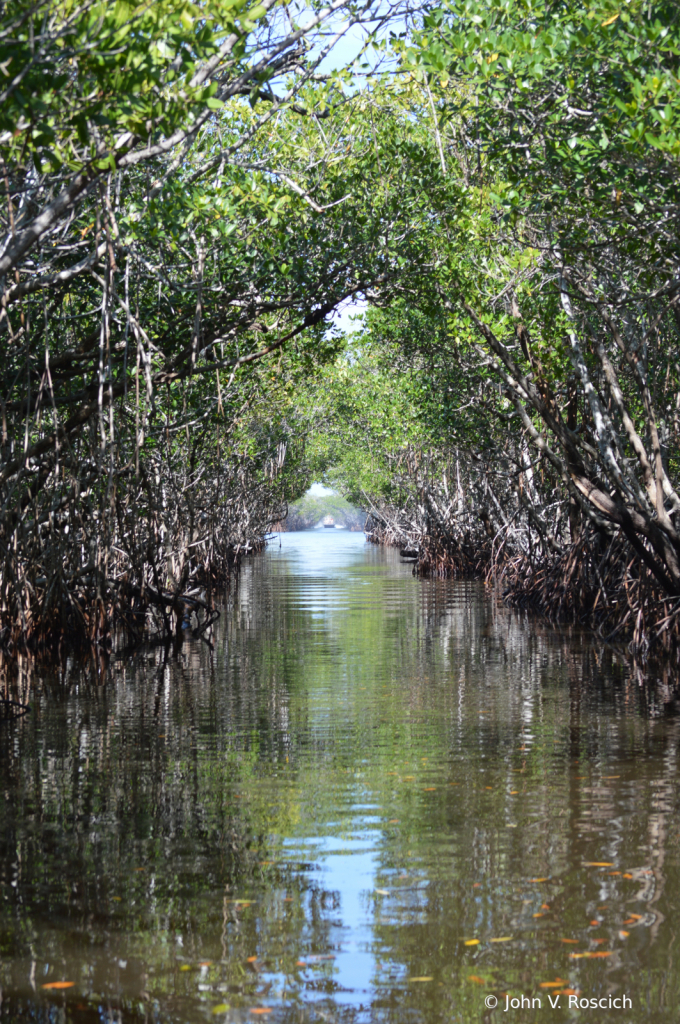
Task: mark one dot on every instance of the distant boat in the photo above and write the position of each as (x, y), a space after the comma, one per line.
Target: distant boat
(329, 522)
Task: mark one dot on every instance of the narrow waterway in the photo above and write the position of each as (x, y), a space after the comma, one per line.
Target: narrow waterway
(376, 799)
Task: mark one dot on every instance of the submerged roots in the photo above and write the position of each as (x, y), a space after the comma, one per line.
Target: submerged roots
(594, 583)
(599, 586)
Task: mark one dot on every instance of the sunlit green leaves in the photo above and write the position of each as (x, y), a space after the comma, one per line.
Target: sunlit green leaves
(104, 69)
(590, 83)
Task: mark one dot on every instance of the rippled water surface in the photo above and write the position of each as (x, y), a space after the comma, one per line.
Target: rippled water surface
(377, 799)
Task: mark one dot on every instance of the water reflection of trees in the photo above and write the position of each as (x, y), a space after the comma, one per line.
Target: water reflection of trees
(126, 833)
(145, 796)
(565, 727)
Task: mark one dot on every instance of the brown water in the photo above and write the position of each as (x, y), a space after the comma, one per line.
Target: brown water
(378, 799)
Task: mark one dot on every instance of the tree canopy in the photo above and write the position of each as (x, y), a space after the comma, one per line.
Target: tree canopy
(188, 196)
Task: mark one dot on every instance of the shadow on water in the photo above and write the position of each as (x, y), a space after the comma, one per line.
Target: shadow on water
(377, 799)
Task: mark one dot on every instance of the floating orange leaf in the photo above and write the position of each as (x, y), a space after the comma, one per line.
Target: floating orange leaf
(569, 940)
(471, 942)
(251, 959)
(557, 983)
(598, 864)
(300, 963)
(59, 984)
(589, 955)
(613, 872)
(538, 879)
(393, 821)
(429, 789)
(477, 980)
(623, 935)
(427, 978)
(260, 1009)
(595, 924)
(627, 874)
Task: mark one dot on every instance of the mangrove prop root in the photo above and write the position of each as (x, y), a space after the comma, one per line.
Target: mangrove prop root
(594, 582)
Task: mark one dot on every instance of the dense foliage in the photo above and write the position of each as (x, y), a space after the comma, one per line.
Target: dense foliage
(537, 353)
(176, 182)
(188, 199)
